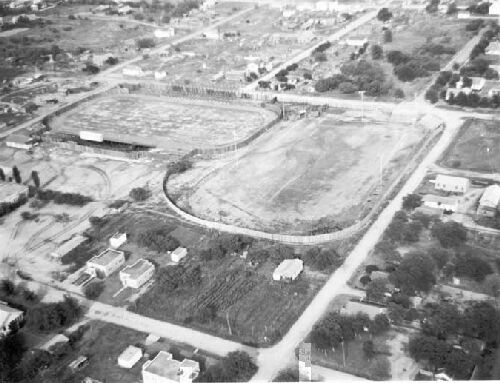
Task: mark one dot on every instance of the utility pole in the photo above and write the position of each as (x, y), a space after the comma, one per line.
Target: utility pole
(228, 324)
(362, 93)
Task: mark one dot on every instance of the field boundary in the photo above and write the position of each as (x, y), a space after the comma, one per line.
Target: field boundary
(426, 145)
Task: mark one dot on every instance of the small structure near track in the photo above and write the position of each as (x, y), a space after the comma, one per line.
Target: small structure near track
(289, 269)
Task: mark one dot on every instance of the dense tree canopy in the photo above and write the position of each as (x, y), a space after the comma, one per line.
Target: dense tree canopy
(415, 273)
(449, 234)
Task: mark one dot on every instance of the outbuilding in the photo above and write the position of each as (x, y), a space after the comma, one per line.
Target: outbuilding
(489, 201)
(117, 240)
(138, 274)
(106, 263)
(451, 184)
(8, 315)
(65, 247)
(19, 141)
(164, 33)
(178, 254)
(449, 204)
(129, 357)
(164, 369)
(354, 307)
(11, 192)
(289, 269)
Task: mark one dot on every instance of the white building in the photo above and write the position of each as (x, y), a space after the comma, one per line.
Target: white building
(438, 202)
(289, 269)
(353, 308)
(129, 357)
(138, 274)
(7, 316)
(164, 369)
(178, 254)
(19, 141)
(489, 201)
(160, 74)
(106, 263)
(65, 247)
(494, 7)
(117, 240)
(211, 34)
(356, 42)
(493, 48)
(164, 33)
(133, 71)
(11, 192)
(477, 84)
(451, 184)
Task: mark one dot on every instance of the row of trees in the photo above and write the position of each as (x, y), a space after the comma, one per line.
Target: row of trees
(408, 68)
(158, 239)
(237, 366)
(63, 198)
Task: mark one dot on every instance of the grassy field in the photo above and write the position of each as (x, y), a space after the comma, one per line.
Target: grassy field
(172, 124)
(475, 148)
(301, 172)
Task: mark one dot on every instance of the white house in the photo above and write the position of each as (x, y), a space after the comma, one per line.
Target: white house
(288, 269)
(117, 240)
(463, 14)
(7, 316)
(451, 184)
(178, 254)
(438, 202)
(11, 192)
(353, 308)
(138, 274)
(489, 201)
(129, 357)
(164, 369)
(106, 263)
(19, 141)
(356, 42)
(477, 83)
(211, 34)
(493, 48)
(133, 71)
(164, 33)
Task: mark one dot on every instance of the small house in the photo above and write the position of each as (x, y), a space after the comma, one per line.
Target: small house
(489, 201)
(178, 254)
(164, 33)
(138, 274)
(117, 240)
(354, 307)
(430, 211)
(106, 263)
(19, 141)
(133, 71)
(477, 84)
(79, 363)
(129, 357)
(288, 269)
(451, 184)
(449, 204)
(493, 48)
(9, 315)
(164, 369)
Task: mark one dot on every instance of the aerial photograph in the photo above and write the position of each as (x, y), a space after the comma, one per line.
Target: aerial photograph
(249, 191)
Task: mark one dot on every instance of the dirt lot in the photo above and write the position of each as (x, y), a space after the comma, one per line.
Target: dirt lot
(475, 148)
(31, 241)
(176, 124)
(301, 172)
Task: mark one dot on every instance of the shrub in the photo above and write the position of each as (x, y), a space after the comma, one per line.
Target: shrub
(146, 42)
(139, 194)
(93, 289)
(449, 234)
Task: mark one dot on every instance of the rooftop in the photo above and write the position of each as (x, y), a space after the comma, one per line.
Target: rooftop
(439, 199)
(443, 178)
(7, 189)
(137, 269)
(106, 257)
(18, 139)
(354, 307)
(290, 267)
(8, 314)
(491, 196)
(163, 365)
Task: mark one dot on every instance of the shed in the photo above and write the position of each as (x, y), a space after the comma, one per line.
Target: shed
(106, 263)
(19, 141)
(489, 201)
(129, 357)
(438, 202)
(288, 269)
(58, 338)
(178, 254)
(7, 316)
(65, 247)
(138, 274)
(451, 184)
(354, 307)
(117, 240)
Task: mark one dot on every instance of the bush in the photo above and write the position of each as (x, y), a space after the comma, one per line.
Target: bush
(384, 14)
(158, 239)
(471, 266)
(139, 194)
(449, 234)
(347, 88)
(387, 36)
(63, 198)
(412, 201)
(146, 42)
(93, 290)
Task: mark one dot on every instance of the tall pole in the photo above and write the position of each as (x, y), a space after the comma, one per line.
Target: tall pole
(362, 93)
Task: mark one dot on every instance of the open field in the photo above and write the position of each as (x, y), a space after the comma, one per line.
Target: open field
(31, 241)
(476, 147)
(301, 172)
(172, 124)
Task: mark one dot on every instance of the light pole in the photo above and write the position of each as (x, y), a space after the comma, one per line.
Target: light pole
(362, 93)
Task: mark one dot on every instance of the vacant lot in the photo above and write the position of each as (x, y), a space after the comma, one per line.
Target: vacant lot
(475, 148)
(301, 172)
(171, 124)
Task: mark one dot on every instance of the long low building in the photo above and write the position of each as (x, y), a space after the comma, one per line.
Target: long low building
(106, 263)
(438, 202)
(11, 192)
(489, 201)
(138, 274)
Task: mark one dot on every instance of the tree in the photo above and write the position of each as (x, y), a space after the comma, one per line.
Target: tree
(376, 289)
(491, 285)
(380, 369)
(452, 9)
(432, 95)
(139, 194)
(94, 289)
(412, 201)
(398, 93)
(237, 366)
(415, 273)
(369, 348)
(472, 266)
(33, 362)
(441, 256)
(384, 15)
(481, 320)
(35, 178)
(387, 251)
(347, 87)
(146, 42)
(380, 324)
(2, 175)
(444, 321)
(377, 52)
(449, 234)
(207, 314)
(16, 174)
